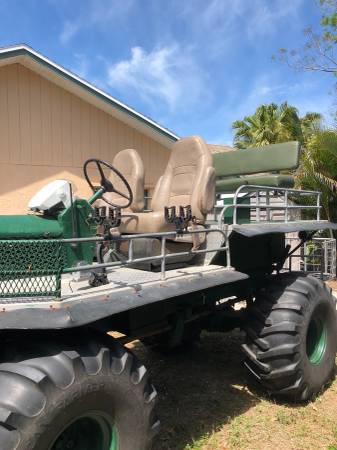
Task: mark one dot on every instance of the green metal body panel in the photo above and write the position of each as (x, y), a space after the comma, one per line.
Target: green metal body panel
(243, 214)
(29, 227)
(52, 227)
(32, 256)
(270, 158)
(84, 226)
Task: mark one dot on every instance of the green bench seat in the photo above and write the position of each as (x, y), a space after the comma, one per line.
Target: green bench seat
(251, 166)
(273, 180)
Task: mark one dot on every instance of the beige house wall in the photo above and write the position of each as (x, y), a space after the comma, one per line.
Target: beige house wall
(47, 133)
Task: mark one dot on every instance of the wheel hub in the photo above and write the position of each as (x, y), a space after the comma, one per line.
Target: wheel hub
(90, 432)
(316, 342)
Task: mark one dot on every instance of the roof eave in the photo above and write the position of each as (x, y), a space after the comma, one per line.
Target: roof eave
(147, 125)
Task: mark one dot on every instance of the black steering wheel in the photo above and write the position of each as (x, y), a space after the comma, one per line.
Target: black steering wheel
(106, 184)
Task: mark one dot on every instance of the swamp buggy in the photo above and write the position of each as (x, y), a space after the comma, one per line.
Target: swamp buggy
(73, 270)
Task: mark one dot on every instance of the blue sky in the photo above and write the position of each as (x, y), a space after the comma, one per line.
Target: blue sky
(194, 66)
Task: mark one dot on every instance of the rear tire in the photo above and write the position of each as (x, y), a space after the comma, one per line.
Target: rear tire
(291, 336)
(60, 395)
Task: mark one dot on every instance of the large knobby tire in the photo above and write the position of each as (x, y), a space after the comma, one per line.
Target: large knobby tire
(292, 336)
(66, 395)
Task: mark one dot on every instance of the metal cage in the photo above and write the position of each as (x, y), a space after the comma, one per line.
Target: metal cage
(317, 257)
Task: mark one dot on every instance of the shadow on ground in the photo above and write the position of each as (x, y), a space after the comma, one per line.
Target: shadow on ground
(199, 390)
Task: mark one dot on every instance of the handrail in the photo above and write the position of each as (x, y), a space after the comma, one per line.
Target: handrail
(256, 191)
(162, 257)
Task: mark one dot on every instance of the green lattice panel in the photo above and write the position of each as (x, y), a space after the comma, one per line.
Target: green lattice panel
(31, 268)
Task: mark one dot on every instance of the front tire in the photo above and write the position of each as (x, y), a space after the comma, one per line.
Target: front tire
(67, 395)
(291, 336)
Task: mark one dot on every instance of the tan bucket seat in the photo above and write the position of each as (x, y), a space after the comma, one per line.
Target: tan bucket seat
(189, 179)
(131, 166)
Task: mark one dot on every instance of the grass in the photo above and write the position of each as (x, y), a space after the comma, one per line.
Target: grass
(207, 402)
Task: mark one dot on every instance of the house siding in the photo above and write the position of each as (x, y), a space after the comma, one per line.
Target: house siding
(47, 132)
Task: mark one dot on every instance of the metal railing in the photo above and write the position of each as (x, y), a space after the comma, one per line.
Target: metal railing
(262, 196)
(34, 267)
(317, 257)
(163, 257)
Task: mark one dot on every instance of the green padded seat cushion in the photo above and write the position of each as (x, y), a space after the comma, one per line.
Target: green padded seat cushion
(230, 184)
(270, 158)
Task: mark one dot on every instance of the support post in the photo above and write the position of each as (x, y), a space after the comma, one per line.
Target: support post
(163, 256)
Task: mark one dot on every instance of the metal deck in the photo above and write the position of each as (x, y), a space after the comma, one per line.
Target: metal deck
(128, 289)
(255, 229)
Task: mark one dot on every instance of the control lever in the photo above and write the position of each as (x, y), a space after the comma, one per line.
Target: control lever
(181, 221)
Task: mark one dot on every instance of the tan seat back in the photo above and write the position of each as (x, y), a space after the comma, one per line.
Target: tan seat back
(189, 178)
(131, 166)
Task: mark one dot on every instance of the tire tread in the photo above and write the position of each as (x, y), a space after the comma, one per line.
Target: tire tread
(273, 330)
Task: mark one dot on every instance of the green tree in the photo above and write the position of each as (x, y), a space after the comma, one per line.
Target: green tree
(318, 170)
(272, 123)
(311, 122)
(319, 50)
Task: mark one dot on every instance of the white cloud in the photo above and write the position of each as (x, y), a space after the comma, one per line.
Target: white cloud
(167, 73)
(81, 65)
(268, 88)
(264, 16)
(212, 23)
(218, 12)
(265, 89)
(224, 21)
(69, 30)
(211, 13)
(97, 13)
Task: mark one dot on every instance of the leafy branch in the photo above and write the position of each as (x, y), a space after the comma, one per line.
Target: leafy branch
(319, 51)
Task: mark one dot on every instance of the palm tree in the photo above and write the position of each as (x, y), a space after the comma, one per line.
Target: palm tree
(271, 124)
(318, 170)
(311, 122)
